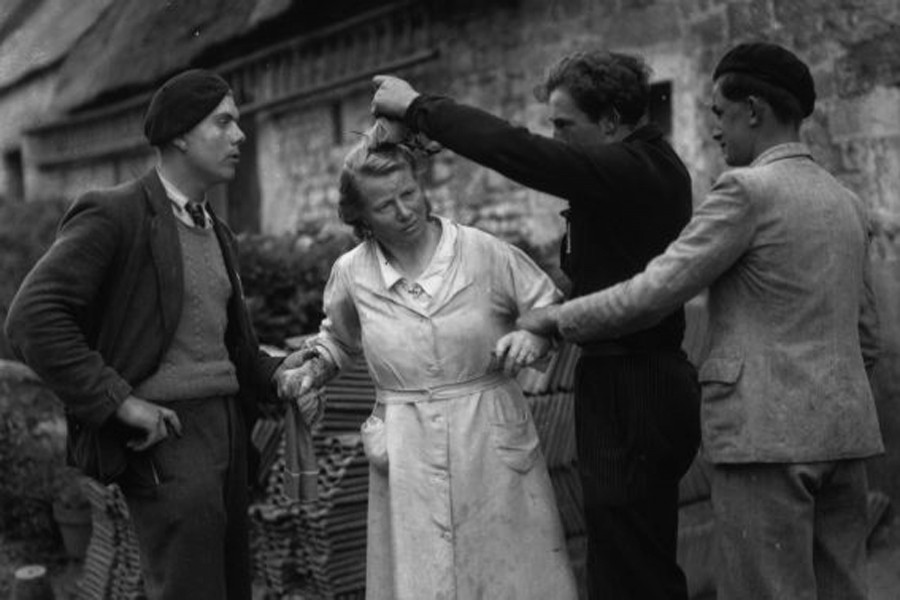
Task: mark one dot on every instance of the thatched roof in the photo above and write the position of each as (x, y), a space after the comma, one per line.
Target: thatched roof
(136, 44)
(35, 34)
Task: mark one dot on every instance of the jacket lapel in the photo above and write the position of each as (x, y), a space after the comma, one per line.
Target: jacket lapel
(229, 254)
(166, 250)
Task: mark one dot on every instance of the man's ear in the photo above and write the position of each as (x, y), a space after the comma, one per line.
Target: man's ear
(609, 121)
(756, 106)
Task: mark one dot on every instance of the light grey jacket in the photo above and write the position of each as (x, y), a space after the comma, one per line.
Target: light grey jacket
(782, 247)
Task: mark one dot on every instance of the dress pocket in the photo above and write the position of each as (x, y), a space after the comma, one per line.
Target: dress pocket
(516, 443)
(374, 442)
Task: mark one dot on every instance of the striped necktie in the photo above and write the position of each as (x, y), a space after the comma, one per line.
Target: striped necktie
(195, 210)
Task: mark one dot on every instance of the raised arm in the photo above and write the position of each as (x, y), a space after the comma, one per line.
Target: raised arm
(571, 171)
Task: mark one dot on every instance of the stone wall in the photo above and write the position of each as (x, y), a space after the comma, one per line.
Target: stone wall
(21, 106)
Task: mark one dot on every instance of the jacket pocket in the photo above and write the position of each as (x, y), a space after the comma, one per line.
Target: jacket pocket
(723, 411)
(720, 374)
(516, 443)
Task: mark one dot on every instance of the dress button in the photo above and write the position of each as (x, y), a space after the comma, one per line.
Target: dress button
(447, 536)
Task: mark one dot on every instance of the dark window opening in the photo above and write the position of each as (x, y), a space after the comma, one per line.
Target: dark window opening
(661, 107)
(337, 124)
(15, 174)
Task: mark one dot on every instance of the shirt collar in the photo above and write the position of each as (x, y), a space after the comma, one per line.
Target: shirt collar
(431, 277)
(180, 200)
(782, 151)
(174, 194)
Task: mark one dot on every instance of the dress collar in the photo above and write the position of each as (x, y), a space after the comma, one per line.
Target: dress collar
(431, 277)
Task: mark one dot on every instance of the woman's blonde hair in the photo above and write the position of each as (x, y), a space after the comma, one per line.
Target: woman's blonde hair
(377, 154)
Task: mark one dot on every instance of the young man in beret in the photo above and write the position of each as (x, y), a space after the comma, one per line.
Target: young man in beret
(629, 194)
(788, 416)
(136, 319)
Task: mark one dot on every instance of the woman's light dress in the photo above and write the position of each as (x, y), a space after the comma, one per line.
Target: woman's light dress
(465, 509)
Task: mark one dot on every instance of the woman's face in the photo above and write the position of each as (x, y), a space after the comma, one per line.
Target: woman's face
(394, 207)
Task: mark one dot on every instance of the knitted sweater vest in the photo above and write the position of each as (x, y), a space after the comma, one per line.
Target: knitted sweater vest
(196, 364)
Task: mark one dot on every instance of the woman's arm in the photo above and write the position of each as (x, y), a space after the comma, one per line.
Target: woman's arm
(322, 358)
(529, 287)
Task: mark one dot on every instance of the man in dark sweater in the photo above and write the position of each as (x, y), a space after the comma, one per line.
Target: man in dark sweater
(629, 195)
(136, 319)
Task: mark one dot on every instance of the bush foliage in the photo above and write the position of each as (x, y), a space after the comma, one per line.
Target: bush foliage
(32, 456)
(284, 277)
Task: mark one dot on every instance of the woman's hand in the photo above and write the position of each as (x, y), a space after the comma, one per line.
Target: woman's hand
(519, 349)
(299, 383)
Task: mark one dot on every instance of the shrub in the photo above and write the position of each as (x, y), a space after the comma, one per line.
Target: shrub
(284, 277)
(32, 454)
(26, 231)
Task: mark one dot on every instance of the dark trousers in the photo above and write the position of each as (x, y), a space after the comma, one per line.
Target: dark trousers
(188, 501)
(637, 426)
(631, 549)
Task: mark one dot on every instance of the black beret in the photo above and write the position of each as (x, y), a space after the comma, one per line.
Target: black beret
(774, 65)
(182, 102)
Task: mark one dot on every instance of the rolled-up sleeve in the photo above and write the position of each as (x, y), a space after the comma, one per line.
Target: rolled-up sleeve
(530, 286)
(720, 232)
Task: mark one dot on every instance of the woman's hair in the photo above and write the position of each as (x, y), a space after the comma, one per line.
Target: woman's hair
(785, 106)
(375, 155)
(598, 80)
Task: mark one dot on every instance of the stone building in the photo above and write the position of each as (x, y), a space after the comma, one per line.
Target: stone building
(34, 40)
(302, 73)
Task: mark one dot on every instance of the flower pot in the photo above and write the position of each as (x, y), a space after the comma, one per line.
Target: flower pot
(75, 526)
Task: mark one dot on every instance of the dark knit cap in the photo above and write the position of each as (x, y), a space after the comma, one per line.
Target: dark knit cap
(774, 65)
(182, 102)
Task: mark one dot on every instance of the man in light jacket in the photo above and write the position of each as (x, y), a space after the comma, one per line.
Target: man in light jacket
(788, 414)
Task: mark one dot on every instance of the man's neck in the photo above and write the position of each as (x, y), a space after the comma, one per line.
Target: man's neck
(190, 186)
(622, 130)
(775, 136)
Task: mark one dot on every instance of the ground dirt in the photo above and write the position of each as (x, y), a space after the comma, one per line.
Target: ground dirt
(884, 565)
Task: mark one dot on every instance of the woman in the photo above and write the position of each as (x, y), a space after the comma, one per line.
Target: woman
(460, 502)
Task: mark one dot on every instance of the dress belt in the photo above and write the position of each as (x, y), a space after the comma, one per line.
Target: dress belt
(442, 392)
